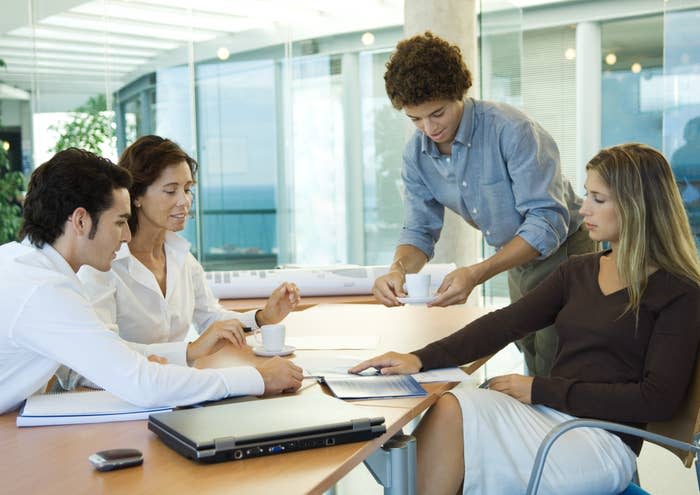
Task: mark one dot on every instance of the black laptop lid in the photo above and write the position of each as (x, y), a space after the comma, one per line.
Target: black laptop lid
(265, 420)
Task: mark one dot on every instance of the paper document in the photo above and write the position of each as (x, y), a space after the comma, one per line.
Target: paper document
(374, 387)
(334, 342)
(327, 364)
(443, 375)
(80, 407)
(311, 281)
(338, 365)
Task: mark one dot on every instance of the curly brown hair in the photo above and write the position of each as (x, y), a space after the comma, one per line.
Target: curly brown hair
(425, 68)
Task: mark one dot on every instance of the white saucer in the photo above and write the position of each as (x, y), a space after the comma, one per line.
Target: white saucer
(286, 351)
(417, 300)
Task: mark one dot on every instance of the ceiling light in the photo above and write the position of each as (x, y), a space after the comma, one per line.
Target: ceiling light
(367, 39)
(610, 58)
(223, 53)
(570, 53)
(636, 68)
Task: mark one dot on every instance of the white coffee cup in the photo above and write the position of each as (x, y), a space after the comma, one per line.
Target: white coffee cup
(272, 337)
(417, 284)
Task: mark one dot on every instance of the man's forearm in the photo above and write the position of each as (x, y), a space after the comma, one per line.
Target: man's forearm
(408, 259)
(514, 253)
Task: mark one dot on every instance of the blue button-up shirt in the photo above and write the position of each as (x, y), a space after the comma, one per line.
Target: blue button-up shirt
(503, 177)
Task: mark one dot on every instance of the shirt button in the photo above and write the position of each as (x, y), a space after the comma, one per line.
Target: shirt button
(464, 184)
(473, 210)
(469, 145)
(488, 232)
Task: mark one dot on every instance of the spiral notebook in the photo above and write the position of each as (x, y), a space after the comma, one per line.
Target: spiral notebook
(68, 408)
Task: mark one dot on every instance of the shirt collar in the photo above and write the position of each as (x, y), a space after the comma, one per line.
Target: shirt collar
(56, 258)
(464, 131)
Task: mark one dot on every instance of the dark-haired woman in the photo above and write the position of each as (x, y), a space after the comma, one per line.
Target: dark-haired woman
(156, 288)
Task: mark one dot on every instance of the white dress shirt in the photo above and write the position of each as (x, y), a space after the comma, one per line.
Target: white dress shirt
(47, 320)
(129, 299)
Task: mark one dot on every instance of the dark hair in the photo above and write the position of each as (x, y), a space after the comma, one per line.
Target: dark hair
(73, 178)
(425, 68)
(146, 159)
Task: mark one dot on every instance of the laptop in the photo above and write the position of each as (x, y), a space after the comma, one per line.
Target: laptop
(261, 427)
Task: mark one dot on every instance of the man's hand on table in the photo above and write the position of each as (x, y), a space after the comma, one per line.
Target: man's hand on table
(280, 376)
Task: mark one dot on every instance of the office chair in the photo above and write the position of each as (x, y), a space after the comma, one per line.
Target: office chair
(680, 435)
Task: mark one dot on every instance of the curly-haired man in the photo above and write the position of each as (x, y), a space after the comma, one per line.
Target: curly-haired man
(492, 165)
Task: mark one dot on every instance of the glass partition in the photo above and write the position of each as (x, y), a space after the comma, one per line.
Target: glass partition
(681, 102)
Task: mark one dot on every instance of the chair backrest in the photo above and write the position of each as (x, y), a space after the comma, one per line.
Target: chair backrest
(686, 423)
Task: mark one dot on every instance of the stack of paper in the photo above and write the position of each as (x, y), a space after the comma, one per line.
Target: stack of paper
(80, 407)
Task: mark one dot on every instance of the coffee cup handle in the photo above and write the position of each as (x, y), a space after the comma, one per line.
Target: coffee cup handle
(257, 335)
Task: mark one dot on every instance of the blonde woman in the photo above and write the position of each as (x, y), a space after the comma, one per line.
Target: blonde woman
(628, 321)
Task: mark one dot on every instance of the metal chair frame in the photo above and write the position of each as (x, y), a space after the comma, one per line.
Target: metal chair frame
(559, 430)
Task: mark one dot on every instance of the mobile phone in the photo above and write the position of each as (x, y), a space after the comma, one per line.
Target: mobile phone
(109, 460)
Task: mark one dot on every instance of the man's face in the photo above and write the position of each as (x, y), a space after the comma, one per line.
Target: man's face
(438, 119)
(112, 230)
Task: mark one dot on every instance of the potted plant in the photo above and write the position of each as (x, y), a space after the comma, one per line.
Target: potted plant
(90, 128)
(11, 189)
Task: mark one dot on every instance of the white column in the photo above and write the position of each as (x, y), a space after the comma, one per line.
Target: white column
(455, 21)
(588, 101)
(355, 228)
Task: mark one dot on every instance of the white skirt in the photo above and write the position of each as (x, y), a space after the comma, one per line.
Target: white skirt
(501, 438)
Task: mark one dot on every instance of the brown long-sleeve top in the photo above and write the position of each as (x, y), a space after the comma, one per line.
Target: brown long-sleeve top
(605, 368)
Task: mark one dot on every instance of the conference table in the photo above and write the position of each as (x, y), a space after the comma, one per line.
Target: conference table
(53, 459)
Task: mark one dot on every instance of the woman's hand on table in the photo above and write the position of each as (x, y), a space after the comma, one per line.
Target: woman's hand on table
(391, 363)
(283, 299)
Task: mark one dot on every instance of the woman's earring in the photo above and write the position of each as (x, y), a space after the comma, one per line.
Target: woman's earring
(137, 204)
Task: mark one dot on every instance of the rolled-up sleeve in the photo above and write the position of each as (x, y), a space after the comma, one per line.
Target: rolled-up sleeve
(538, 189)
(424, 215)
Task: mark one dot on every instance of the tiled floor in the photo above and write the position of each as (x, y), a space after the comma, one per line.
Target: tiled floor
(661, 473)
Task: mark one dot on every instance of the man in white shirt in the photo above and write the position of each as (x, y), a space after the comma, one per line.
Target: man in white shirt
(75, 214)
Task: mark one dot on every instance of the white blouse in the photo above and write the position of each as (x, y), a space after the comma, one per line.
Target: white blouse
(129, 300)
(48, 321)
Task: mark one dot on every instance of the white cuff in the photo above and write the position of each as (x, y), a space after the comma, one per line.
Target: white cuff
(242, 380)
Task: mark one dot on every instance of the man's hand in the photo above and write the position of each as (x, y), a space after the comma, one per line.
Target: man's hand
(391, 363)
(456, 287)
(388, 287)
(280, 375)
(215, 337)
(282, 300)
(517, 386)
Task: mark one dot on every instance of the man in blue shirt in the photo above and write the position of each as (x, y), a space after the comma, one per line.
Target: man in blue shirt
(489, 163)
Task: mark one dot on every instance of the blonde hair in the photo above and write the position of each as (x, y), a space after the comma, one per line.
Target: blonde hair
(654, 227)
